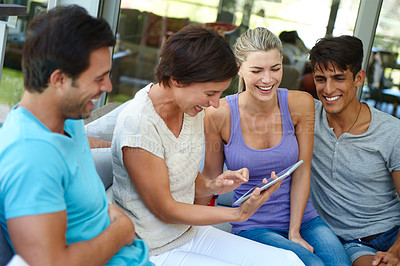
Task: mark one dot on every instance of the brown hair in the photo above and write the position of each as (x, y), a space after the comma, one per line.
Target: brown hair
(194, 55)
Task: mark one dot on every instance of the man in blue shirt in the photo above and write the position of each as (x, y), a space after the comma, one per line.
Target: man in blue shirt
(53, 206)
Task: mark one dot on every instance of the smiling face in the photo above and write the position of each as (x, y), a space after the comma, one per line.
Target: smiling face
(193, 98)
(337, 89)
(83, 92)
(262, 73)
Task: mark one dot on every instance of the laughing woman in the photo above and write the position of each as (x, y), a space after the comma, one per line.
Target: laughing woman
(265, 129)
(157, 149)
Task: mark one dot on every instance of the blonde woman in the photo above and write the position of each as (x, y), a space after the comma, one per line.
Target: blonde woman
(265, 128)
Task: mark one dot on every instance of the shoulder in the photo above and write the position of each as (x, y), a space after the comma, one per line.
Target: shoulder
(218, 114)
(300, 101)
(135, 113)
(24, 134)
(383, 122)
(382, 116)
(32, 157)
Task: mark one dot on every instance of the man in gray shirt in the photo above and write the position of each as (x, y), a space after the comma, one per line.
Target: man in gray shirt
(355, 174)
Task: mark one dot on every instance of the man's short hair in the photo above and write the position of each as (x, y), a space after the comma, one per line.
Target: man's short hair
(61, 39)
(344, 52)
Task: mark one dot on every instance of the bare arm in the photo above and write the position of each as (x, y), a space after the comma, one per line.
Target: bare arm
(160, 202)
(40, 239)
(216, 121)
(96, 143)
(302, 112)
(392, 256)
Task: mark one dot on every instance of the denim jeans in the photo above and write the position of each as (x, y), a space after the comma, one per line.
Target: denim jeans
(328, 250)
(356, 248)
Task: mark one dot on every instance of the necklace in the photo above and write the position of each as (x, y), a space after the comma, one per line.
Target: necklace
(359, 110)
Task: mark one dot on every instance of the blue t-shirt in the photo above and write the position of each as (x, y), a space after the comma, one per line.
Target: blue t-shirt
(43, 172)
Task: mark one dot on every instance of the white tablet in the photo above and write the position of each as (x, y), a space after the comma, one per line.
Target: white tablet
(281, 175)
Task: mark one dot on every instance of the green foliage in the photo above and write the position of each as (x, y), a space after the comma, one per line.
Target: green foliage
(120, 98)
(233, 87)
(11, 86)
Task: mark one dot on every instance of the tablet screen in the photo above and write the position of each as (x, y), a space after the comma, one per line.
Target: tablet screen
(281, 175)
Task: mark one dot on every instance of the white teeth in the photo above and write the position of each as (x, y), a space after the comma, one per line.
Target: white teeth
(94, 101)
(264, 88)
(332, 98)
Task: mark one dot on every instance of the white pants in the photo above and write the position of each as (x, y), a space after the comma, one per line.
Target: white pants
(212, 246)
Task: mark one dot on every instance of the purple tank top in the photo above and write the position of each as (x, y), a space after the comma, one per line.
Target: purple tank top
(275, 213)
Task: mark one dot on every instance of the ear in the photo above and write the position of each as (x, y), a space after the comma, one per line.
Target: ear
(57, 78)
(240, 72)
(359, 78)
(175, 83)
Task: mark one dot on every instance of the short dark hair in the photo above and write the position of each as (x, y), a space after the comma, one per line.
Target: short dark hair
(194, 55)
(61, 39)
(344, 52)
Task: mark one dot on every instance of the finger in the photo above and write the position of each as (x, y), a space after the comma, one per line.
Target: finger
(245, 173)
(265, 194)
(229, 182)
(310, 248)
(256, 192)
(274, 187)
(305, 245)
(273, 175)
(377, 258)
(384, 257)
(237, 176)
(234, 176)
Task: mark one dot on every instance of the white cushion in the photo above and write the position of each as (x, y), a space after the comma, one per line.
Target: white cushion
(103, 162)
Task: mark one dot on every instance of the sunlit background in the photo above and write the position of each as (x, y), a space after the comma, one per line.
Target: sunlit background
(143, 25)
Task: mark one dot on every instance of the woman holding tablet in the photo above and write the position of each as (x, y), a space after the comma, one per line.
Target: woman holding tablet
(265, 129)
(157, 149)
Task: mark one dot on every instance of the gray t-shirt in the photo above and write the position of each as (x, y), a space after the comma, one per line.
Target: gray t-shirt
(351, 183)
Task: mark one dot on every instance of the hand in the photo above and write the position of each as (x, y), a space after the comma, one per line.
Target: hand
(299, 240)
(229, 180)
(385, 257)
(257, 198)
(118, 216)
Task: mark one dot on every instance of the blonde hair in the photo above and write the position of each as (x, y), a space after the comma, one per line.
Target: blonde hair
(254, 40)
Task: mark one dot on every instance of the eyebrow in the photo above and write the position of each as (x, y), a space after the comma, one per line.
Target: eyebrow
(105, 73)
(334, 75)
(257, 67)
(339, 75)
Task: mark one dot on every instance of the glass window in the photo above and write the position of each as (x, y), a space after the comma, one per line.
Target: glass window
(144, 25)
(383, 74)
(11, 86)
